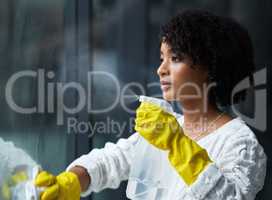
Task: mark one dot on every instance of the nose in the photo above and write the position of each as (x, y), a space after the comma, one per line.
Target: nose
(163, 69)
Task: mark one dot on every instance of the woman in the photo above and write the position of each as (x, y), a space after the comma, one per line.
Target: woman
(203, 56)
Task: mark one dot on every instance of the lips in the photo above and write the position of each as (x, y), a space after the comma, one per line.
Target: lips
(165, 85)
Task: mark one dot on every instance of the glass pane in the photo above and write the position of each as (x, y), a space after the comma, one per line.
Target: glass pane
(31, 46)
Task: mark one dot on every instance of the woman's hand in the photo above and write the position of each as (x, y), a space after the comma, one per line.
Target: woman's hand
(157, 126)
(65, 186)
(162, 130)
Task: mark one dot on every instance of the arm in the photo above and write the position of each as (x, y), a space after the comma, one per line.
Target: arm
(238, 174)
(106, 167)
(83, 177)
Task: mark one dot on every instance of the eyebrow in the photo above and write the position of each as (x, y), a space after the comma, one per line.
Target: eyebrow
(168, 51)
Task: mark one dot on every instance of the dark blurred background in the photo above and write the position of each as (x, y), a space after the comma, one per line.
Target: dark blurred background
(120, 37)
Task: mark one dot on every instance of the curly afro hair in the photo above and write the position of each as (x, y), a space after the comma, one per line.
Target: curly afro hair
(218, 44)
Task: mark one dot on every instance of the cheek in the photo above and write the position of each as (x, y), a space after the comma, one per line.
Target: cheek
(184, 80)
(179, 75)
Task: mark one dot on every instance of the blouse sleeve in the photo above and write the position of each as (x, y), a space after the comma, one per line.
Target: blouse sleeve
(108, 166)
(238, 174)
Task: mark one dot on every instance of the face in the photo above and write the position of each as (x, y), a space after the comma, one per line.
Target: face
(178, 79)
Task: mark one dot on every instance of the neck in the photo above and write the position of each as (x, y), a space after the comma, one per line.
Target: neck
(198, 116)
(195, 110)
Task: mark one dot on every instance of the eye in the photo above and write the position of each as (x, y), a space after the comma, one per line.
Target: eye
(175, 59)
(161, 60)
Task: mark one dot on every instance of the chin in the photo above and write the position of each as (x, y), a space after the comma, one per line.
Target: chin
(168, 96)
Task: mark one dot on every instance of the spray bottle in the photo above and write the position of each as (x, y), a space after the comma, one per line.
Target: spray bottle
(151, 171)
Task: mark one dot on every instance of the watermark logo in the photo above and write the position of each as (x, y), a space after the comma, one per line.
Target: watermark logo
(108, 126)
(51, 98)
(259, 120)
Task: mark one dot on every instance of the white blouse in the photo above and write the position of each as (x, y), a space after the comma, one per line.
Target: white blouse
(237, 172)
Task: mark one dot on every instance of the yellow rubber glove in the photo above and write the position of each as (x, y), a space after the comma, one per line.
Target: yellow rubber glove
(17, 178)
(162, 130)
(65, 186)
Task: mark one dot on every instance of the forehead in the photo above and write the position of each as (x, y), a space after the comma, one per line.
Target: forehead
(165, 48)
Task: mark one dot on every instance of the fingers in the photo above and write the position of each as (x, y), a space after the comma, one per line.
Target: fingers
(45, 179)
(51, 193)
